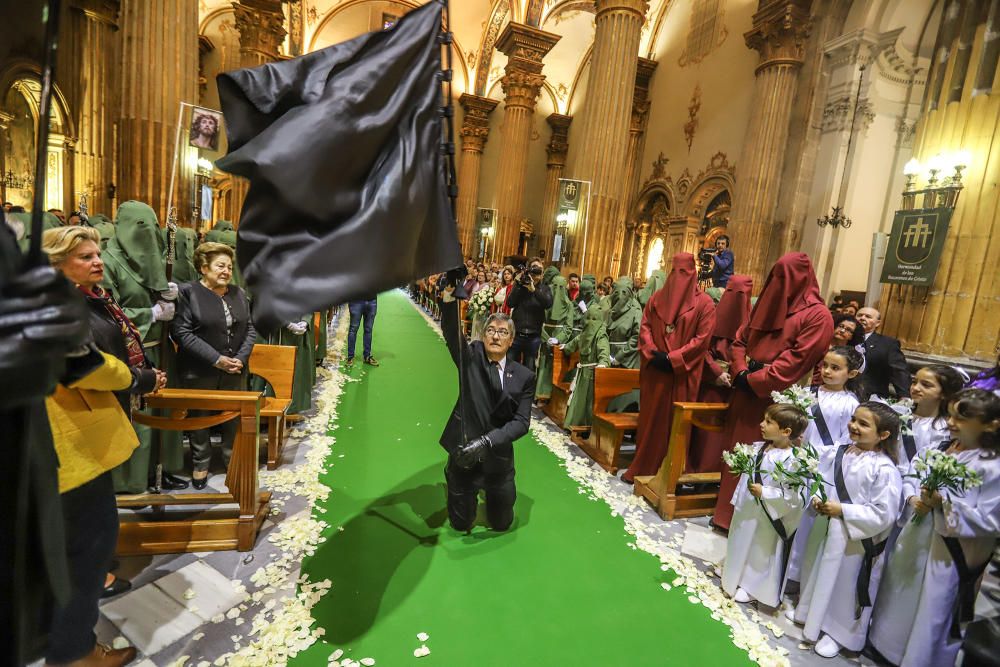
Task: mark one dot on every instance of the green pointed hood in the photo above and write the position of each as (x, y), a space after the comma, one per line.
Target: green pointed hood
(593, 323)
(657, 280)
(550, 273)
(216, 234)
(104, 226)
(623, 299)
(138, 245)
(184, 269)
(563, 309)
(49, 221)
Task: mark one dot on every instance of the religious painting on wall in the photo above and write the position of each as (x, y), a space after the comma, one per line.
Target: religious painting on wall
(915, 246)
(205, 127)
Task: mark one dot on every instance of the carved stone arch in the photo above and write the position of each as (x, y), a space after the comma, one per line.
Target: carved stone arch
(648, 220)
(499, 16)
(710, 198)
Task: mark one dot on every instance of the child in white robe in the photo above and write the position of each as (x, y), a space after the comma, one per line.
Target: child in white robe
(916, 622)
(843, 564)
(836, 400)
(766, 514)
(931, 390)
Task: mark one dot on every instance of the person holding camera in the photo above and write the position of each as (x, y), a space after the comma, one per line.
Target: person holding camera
(722, 262)
(528, 300)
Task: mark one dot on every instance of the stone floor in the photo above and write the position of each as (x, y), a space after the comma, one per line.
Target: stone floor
(175, 605)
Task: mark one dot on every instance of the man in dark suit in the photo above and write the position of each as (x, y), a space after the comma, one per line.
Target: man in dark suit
(884, 361)
(497, 410)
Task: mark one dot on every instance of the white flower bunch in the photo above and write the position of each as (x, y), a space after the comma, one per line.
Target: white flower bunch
(802, 473)
(936, 471)
(480, 302)
(902, 407)
(742, 460)
(797, 395)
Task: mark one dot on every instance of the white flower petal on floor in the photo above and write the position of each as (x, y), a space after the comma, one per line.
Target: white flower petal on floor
(368, 662)
(423, 636)
(189, 594)
(119, 642)
(421, 652)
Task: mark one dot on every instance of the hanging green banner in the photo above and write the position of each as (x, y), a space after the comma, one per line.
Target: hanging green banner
(915, 246)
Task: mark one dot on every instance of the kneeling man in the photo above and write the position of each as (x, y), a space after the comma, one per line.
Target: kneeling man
(498, 396)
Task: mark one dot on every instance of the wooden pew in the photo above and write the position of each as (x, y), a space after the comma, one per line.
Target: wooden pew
(558, 401)
(609, 428)
(276, 364)
(210, 530)
(661, 489)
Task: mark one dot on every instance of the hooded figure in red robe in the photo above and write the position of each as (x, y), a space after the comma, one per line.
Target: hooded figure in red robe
(788, 333)
(673, 341)
(731, 314)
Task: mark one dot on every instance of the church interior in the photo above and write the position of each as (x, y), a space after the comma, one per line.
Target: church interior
(601, 137)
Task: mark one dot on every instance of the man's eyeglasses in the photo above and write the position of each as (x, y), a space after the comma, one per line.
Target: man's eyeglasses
(502, 333)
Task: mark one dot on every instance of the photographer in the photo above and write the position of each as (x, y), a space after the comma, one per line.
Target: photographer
(529, 299)
(722, 262)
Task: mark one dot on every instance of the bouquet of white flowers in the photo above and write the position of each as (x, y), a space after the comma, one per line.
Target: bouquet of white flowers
(480, 302)
(797, 395)
(742, 460)
(802, 473)
(937, 470)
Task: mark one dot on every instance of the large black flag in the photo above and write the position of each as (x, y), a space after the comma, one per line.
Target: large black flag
(347, 181)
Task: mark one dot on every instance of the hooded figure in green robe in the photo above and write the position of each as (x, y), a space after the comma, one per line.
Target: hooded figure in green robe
(557, 329)
(49, 221)
(588, 293)
(221, 226)
(104, 227)
(184, 269)
(656, 280)
(592, 344)
(623, 328)
(550, 273)
(135, 275)
(304, 376)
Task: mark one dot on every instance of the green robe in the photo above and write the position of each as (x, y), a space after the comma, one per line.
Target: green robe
(592, 344)
(324, 322)
(184, 269)
(657, 280)
(135, 274)
(559, 325)
(49, 221)
(623, 329)
(104, 226)
(304, 376)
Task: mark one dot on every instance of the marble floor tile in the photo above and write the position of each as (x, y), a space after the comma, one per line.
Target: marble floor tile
(150, 619)
(214, 592)
(704, 543)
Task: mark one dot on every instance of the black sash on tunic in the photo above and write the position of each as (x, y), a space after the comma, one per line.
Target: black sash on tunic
(779, 527)
(872, 550)
(909, 445)
(817, 413)
(965, 602)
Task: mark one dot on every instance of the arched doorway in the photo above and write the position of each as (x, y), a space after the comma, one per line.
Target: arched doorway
(19, 111)
(646, 232)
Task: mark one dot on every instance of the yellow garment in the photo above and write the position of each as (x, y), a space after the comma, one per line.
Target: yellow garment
(91, 432)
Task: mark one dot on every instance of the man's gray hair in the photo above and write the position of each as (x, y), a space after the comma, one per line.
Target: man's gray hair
(503, 318)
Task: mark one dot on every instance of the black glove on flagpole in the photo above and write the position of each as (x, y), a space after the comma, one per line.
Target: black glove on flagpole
(472, 452)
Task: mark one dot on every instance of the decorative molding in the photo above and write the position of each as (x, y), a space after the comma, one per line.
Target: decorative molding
(640, 95)
(837, 115)
(295, 22)
(525, 47)
(489, 43)
(779, 34)
(261, 24)
(558, 146)
(659, 169)
(475, 128)
(906, 130)
(697, 47)
(521, 88)
(691, 126)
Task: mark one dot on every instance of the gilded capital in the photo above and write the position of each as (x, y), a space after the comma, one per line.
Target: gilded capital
(102, 11)
(521, 88)
(780, 30)
(525, 47)
(261, 24)
(558, 145)
(476, 122)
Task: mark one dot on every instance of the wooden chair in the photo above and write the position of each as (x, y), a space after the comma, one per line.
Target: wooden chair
(559, 400)
(276, 364)
(201, 529)
(609, 428)
(661, 489)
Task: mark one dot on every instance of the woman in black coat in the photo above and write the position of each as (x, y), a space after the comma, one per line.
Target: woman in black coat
(214, 336)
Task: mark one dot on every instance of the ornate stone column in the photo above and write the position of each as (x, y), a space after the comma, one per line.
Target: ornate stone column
(557, 149)
(682, 235)
(636, 146)
(159, 70)
(261, 25)
(525, 47)
(89, 73)
(475, 132)
(780, 29)
(603, 142)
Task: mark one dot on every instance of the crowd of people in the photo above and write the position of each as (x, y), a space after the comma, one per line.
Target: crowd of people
(848, 560)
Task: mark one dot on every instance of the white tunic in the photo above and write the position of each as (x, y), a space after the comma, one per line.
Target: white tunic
(837, 408)
(911, 623)
(754, 552)
(927, 432)
(834, 555)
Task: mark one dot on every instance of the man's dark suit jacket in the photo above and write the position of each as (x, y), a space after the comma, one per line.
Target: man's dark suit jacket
(885, 365)
(504, 417)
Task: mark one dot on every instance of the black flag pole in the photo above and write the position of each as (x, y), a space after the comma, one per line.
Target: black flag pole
(50, 16)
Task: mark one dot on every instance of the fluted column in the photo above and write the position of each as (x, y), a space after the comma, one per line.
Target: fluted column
(159, 70)
(475, 132)
(261, 25)
(525, 47)
(557, 149)
(636, 146)
(89, 52)
(603, 140)
(780, 29)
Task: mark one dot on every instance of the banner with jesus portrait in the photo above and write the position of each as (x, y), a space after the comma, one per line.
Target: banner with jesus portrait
(915, 246)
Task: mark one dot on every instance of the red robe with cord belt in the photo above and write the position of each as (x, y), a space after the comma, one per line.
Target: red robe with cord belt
(789, 332)
(732, 313)
(678, 320)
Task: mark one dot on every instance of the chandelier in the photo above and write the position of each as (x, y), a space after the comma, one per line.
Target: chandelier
(838, 219)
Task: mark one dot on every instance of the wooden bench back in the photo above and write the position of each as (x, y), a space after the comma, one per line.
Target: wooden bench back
(562, 364)
(276, 364)
(610, 383)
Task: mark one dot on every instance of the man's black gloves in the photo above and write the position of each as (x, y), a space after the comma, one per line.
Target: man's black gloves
(42, 318)
(472, 452)
(740, 382)
(661, 361)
